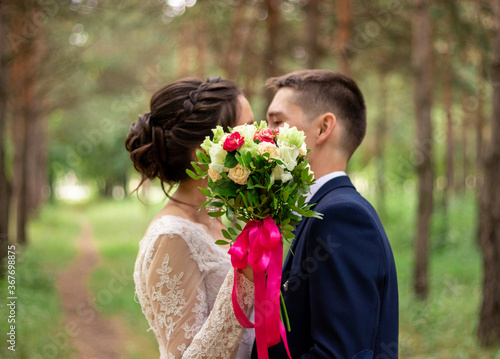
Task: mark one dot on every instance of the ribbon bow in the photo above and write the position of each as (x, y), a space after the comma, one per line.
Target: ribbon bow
(259, 244)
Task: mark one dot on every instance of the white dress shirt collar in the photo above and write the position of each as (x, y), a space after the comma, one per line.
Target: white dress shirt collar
(321, 181)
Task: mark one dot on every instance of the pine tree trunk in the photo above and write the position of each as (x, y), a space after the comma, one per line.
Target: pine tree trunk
(232, 57)
(272, 48)
(479, 125)
(489, 216)
(311, 33)
(422, 62)
(39, 154)
(344, 34)
(22, 83)
(447, 102)
(4, 182)
(380, 134)
(184, 44)
(461, 184)
(251, 67)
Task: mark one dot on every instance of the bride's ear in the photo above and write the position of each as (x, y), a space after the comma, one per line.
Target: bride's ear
(326, 125)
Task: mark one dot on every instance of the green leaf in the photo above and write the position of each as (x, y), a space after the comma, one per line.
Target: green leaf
(198, 169)
(299, 211)
(230, 161)
(205, 203)
(217, 204)
(248, 159)
(226, 189)
(226, 234)
(206, 192)
(250, 184)
(301, 201)
(216, 214)
(192, 174)
(222, 242)
(244, 198)
(202, 156)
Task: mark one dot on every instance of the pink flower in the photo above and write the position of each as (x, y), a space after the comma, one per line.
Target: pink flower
(233, 142)
(265, 135)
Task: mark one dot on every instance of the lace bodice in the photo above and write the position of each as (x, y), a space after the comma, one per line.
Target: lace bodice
(183, 281)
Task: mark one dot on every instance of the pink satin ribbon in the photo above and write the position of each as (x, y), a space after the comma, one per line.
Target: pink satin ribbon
(259, 244)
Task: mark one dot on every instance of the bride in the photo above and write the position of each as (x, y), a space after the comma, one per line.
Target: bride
(183, 279)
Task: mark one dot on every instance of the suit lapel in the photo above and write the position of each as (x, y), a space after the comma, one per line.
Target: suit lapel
(342, 181)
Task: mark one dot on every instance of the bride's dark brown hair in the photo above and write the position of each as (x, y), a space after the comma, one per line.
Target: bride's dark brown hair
(182, 114)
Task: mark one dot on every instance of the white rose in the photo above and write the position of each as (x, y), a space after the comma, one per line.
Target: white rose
(206, 144)
(290, 136)
(311, 172)
(286, 176)
(217, 154)
(279, 174)
(239, 174)
(249, 146)
(218, 167)
(269, 148)
(303, 150)
(247, 131)
(289, 156)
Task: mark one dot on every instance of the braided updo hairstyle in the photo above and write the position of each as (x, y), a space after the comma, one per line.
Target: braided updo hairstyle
(183, 113)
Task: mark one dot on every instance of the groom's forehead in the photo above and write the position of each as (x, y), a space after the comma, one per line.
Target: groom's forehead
(284, 100)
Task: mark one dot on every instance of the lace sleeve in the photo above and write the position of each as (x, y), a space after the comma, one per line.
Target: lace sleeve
(183, 325)
(221, 334)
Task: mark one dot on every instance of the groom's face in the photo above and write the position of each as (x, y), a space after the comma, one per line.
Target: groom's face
(283, 110)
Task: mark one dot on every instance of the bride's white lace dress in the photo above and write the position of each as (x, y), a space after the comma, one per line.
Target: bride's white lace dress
(184, 281)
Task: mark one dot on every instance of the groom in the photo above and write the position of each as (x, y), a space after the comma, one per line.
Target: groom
(340, 285)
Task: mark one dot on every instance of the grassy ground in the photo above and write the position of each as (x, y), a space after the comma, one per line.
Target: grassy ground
(442, 327)
(117, 231)
(41, 331)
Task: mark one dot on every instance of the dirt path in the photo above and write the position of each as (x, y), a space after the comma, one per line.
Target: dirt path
(94, 337)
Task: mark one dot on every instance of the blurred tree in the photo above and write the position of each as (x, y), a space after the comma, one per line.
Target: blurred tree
(232, 60)
(344, 34)
(380, 144)
(272, 51)
(489, 216)
(447, 83)
(4, 181)
(312, 26)
(26, 54)
(422, 65)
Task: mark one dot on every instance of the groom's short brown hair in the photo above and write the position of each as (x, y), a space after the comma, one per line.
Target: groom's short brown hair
(322, 91)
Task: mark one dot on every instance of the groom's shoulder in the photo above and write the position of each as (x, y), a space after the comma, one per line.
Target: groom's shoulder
(340, 194)
(343, 202)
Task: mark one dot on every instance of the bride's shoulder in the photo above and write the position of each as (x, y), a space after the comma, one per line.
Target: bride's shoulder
(172, 225)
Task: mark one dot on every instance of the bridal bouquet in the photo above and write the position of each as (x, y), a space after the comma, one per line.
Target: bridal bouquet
(260, 177)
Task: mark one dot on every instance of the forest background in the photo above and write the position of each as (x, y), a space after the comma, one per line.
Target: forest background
(75, 74)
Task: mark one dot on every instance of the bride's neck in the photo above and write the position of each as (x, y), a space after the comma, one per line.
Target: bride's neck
(188, 193)
(187, 201)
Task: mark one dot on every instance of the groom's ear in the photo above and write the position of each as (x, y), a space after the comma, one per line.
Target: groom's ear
(326, 124)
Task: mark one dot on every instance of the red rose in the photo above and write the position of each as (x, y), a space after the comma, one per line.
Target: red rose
(233, 142)
(265, 135)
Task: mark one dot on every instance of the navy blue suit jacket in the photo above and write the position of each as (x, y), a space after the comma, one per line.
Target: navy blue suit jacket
(340, 286)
